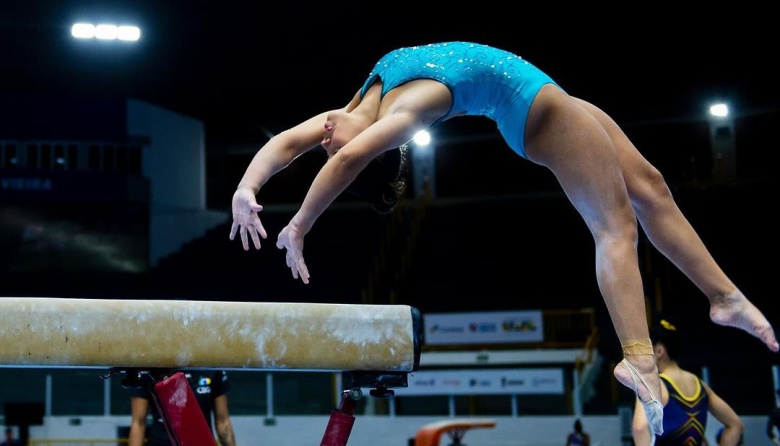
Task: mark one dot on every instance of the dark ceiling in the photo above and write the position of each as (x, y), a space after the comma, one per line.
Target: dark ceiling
(246, 67)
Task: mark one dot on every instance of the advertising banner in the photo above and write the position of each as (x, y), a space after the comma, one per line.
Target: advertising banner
(483, 327)
(484, 382)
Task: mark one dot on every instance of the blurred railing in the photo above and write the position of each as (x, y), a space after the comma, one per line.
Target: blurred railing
(77, 441)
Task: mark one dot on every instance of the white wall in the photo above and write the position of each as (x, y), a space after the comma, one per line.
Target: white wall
(395, 431)
(175, 163)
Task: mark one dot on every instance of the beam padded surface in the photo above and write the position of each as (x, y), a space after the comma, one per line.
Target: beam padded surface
(59, 332)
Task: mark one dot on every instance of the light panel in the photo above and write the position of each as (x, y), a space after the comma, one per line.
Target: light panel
(106, 31)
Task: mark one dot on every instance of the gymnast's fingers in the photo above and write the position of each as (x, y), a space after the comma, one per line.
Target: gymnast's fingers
(255, 238)
(293, 266)
(244, 241)
(233, 229)
(303, 271)
(261, 229)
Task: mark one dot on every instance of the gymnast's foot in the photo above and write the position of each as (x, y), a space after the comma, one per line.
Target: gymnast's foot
(737, 311)
(631, 377)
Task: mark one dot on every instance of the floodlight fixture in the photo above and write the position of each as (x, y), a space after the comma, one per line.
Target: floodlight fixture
(719, 110)
(106, 31)
(83, 31)
(422, 138)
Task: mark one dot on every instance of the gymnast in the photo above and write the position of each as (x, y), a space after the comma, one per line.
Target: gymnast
(602, 173)
(688, 401)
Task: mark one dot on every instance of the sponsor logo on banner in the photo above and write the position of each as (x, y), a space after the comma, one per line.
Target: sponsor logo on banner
(483, 328)
(484, 382)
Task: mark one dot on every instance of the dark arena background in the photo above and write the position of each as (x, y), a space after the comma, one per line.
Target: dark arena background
(118, 162)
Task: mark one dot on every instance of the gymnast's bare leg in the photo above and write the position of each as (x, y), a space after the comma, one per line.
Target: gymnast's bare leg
(563, 136)
(671, 233)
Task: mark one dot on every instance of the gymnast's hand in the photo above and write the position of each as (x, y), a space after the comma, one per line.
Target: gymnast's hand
(291, 239)
(245, 219)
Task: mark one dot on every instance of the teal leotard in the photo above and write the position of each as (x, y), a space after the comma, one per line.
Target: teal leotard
(483, 80)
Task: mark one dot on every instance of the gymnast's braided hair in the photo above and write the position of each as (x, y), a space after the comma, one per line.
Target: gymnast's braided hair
(666, 333)
(383, 181)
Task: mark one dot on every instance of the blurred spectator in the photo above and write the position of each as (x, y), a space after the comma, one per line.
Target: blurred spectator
(9, 438)
(210, 389)
(687, 400)
(578, 437)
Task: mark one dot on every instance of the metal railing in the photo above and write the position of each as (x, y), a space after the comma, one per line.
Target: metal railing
(76, 441)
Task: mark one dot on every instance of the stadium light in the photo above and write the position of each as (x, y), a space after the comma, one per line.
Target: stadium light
(722, 143)
(719, 110)
(422, 138)
(105, 31)
(423, 164)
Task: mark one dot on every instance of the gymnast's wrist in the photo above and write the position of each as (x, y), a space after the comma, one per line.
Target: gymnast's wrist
(249, 187)
(300, 224)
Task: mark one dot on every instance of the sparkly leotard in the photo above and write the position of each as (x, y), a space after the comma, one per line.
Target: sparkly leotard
(483, 80)
(685, 417)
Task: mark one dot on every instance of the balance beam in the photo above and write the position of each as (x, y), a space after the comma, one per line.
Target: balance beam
(62, 332)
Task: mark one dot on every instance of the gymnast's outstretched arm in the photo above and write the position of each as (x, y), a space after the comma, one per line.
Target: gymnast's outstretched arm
(274, 156)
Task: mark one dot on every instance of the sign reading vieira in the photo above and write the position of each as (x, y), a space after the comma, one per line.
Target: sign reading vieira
(498, 327)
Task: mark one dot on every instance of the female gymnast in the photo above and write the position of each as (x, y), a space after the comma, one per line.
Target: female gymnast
(688, 401)
(604, 176)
